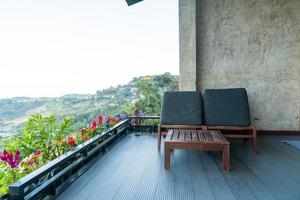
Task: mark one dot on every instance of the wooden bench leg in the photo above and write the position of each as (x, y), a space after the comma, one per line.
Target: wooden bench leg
(226, 158)
(254, 145)
(167, 156)
(158, 137)
(254, 140)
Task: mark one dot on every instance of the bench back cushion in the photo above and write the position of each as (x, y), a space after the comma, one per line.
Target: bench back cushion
(181, 108)
(226, 107)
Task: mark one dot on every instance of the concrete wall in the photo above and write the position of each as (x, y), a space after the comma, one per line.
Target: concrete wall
(245, 43)
(253, 44)
(188, 45)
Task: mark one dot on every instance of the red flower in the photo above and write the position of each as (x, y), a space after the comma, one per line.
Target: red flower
(100, 120)
(94, 124)
(107, 119)
(10, 159)
(71, 141)
(113, 120)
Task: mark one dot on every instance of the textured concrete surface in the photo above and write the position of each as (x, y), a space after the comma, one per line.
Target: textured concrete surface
(187, 43)
(253, 44)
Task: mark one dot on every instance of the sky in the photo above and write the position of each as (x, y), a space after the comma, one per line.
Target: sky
(56, 47)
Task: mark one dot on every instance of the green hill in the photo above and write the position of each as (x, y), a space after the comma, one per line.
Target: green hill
(142, 92)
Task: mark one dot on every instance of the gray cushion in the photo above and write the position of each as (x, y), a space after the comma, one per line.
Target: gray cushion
(226, 107)
(181, 108)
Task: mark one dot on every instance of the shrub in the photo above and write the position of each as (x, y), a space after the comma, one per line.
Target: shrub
(42, 140)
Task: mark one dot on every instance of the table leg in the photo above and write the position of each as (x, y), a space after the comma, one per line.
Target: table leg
(167, 155)
(226, 158)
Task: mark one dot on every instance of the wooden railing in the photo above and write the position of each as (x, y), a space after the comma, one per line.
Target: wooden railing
(51, 179)
(144, 123)
(54, 177)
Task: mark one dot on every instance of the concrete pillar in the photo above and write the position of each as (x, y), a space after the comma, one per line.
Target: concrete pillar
(187, 45)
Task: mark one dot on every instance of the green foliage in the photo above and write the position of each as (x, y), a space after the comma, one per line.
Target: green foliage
(38, 134)
(129, 109)
(4, 179)
(150, 101)
(151, 89)
(42, 140)
(151, 122)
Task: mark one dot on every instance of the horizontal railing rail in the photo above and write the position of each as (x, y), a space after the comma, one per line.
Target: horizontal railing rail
(52, 178)
(144, 117)
(144, 123)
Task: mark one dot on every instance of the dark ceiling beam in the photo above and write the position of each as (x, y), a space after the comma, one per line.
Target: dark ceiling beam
(131, 2)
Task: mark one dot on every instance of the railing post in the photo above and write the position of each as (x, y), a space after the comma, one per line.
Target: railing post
(140, 123)
(16, 193)
(130, 123)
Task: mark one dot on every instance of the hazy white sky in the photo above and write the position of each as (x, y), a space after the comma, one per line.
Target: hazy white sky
(55, 47)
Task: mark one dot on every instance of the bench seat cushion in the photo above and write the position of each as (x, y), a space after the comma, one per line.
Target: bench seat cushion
(181, 108)
(226, 107)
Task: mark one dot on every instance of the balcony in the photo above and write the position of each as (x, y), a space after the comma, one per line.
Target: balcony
(133, 169)
(223, 44)
(127, 165)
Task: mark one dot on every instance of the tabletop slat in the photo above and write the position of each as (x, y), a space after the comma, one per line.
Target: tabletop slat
(195, 136)
(214, 136)
(175, 135)
(208, 136)
(182, 135)
(188, 135)
(201, 136)
(169, 135)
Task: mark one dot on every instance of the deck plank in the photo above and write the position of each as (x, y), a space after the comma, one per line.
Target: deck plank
(216, 180)
(133, 169)
(255, 185)
(132, 180)
(149, 180)
(201, 186)
(164, 187)
(107, 189)
(183, 188)
(109, 163)
(275, 166)
(236, 183)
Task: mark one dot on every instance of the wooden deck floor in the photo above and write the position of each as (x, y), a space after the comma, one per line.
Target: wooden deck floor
(133, 169)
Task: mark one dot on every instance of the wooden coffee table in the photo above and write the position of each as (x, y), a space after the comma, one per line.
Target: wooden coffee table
(208, 140)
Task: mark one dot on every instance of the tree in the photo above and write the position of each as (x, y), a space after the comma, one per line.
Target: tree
(151, 89)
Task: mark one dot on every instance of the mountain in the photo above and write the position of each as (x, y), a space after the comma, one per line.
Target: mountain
(84, 107)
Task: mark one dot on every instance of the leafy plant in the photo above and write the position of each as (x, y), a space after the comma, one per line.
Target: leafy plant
(42, 140)
(38, 134)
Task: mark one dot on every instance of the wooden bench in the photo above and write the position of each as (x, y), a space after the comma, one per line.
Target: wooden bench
(210, 140)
